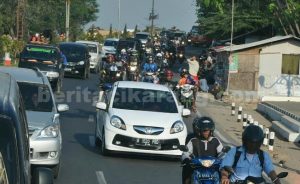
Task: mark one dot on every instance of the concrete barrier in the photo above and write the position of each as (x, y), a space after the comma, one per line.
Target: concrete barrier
(290, 135)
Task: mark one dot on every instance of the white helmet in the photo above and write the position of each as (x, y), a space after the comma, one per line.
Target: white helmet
(123, 51)
(158, 55)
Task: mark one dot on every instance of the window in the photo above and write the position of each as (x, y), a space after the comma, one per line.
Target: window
(290, 64)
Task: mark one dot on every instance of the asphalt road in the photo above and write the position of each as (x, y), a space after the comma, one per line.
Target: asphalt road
(81, 161)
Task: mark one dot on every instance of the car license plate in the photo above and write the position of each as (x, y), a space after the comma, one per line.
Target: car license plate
(147, 142)
(68, 69)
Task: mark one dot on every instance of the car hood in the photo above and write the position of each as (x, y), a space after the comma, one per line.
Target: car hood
(39, 120)
(146, 118)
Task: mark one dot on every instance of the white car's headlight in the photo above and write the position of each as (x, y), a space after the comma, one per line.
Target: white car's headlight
(117, 122)
(52, 74)
(50, 131)
(80, 63)
(177, 127)
(207, 163)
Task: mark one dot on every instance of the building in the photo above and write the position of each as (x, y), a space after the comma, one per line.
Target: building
(265, 68)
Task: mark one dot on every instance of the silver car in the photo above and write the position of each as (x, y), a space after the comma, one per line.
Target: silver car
(42, 115)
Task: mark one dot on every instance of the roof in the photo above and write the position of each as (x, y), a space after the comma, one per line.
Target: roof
(145, 33)
(142, 85)
(40, 45)
(258, 43)
(25, 75)
(73, 44)
(87, 42)
(112, 39)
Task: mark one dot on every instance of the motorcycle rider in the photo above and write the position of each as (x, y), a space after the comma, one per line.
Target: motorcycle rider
(202, 144)
(169, 76)
(150, 67)
(105, 66)
(124, 56)
(249, 159)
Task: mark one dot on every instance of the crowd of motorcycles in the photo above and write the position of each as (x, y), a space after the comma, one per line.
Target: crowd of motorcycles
(129, 65)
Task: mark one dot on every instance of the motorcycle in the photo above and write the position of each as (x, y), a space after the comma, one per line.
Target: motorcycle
(186, 95)
(151, 77)
(164, 66)
(251, 179)
(113, 73)
(206, 168)
(133, 71)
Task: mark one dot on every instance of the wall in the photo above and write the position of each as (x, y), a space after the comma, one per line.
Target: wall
(270, 81)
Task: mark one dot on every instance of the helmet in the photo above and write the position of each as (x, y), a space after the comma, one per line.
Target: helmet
(202, 124)
(110, 56)
(184, 72)
(169, 73)
(123, 51)
(158, 55)
(252, 138)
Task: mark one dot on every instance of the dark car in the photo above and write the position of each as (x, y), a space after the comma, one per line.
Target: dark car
(48, 59)
(14, 139)
(78, 58)
(127, 44)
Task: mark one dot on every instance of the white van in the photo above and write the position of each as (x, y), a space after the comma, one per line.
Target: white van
(95, 52)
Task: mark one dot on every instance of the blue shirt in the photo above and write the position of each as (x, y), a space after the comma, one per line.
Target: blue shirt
(150, 67)
(65, 62)
(247, 166)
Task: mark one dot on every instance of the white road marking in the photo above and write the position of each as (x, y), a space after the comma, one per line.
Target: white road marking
(91, 118)
(100, 177)
(92, 141)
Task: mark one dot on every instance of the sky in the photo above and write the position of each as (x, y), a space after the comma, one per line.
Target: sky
(179, 13)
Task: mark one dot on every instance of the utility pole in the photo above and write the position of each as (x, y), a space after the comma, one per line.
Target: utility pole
(231, 40)
(119, 18)
(152, 18)
(21, 19)
(68, 5)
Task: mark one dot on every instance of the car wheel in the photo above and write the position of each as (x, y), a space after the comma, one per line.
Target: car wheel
(55, 170)
(3, 173)
(104, 151)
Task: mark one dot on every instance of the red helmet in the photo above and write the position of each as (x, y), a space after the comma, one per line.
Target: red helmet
(169, 73)
(110, 56)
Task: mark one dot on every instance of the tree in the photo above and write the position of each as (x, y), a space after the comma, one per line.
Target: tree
(125, 32)
(135, 30)
(110, 35)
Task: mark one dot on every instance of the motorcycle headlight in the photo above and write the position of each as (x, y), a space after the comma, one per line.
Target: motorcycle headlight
(118, 74)
(50, 131)
(133, 68)
(177, 127)
(117, 122)
(189, 40)
(180, 55)
(171, 53)
(52, 74)
(207, 163)
(182, 43)
(80, 63)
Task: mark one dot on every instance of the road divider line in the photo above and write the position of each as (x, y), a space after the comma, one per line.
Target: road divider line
(91, 119)
(100, 177)
(92, 141)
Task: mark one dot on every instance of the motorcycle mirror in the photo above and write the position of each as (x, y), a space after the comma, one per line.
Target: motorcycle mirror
(183, 148)
(229, 169)
(226, 149)
(282, 174)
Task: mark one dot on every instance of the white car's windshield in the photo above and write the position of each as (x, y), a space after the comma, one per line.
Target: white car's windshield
(144, 100)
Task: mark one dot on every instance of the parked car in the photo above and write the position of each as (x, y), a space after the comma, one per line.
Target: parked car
(78, 59)
(14, 141)
(143, 36)
(148, 122)
(95, 52)
(48, 59)
(109, 47)
(42, 115)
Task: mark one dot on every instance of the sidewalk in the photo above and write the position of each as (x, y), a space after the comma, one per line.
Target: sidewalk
(283, 150)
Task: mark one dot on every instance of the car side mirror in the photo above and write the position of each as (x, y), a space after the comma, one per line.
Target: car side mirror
(43, 175)
(101, 106)
(62, 107)
(186, 112)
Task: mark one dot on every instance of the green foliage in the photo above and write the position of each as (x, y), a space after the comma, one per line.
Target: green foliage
(125, 32)
(7, 44)
(214, 16)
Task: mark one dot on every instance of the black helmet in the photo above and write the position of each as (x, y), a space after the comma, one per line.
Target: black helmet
(184, 72)
(201, 124)
(255, 136)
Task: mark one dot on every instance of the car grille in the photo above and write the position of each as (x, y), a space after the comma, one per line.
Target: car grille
(147, 130)
(151, 144)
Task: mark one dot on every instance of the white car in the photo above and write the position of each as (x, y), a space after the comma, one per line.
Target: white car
(94, 51)
(140, 117)
(109, 47)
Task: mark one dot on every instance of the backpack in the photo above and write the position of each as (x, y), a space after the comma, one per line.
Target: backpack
(238, 154)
